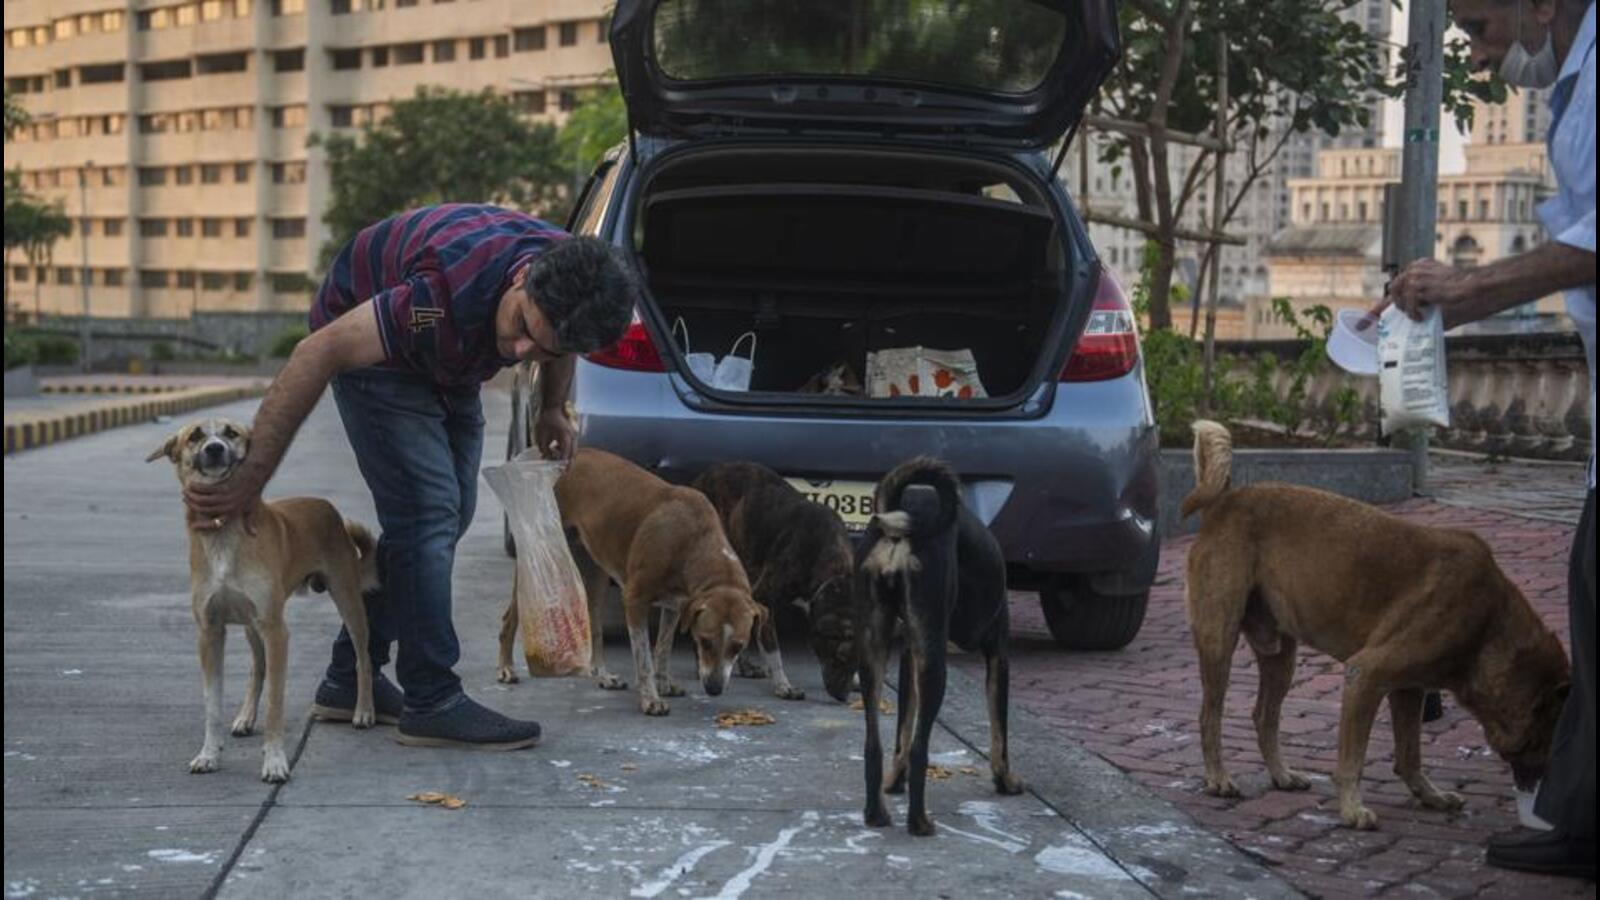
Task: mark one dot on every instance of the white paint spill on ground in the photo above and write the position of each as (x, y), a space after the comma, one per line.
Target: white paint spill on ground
(71, 671)
(1076, 856)
(1065, 894)
(687, 751)
(561, 763)
(183, 856)
(1165, 829)
(732, 737)
(132, 867)
(682, 866)
(604, 803)
(27, 887)
(987, 817)
(741, 882)
(949, 758)
(18, 754)
(1007, 846)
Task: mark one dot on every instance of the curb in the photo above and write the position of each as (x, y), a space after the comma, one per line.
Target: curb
(111, 388)
(30, 430)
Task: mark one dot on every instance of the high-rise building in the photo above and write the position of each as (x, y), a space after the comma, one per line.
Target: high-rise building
(176, 135)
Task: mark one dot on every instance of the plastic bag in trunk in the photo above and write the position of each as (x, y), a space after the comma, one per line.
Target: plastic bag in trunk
(923, 372)
(1413, 388)
(731, 373)
(551, 605)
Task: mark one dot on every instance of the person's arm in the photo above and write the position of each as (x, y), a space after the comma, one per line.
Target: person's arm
(349, 342)
(555, 434)
(1469, 294)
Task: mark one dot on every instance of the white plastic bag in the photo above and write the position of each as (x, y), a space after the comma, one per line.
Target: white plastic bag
(731, 373)
(1413, 387)
(923, 372)
(551, 606)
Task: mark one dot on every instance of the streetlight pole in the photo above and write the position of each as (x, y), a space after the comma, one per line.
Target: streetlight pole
(1417, 216)
(86, 334)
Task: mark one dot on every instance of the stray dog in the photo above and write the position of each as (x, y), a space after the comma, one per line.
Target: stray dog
(239, 578)
(839, 379)
(795, 552)
(1405, 607)
(666, 548)
(929, 562)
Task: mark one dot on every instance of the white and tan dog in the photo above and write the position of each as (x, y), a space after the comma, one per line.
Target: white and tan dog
(246, 579)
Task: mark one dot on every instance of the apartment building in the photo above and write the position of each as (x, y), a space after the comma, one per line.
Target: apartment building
(176, 134)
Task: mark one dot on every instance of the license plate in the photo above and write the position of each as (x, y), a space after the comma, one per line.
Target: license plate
(852, 500)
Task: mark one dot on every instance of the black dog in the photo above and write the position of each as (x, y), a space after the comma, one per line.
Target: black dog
(930, 563)
(796, 552)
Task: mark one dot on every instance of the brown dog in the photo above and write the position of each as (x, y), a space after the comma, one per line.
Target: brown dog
(666, 548)
(239, 578)
(1407, 608)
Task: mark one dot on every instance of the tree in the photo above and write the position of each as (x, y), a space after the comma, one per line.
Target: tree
(1293, 66)
(31, 224)
(440, 146)
(591, 130)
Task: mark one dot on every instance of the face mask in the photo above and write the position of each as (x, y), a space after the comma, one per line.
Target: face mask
(1530, 70)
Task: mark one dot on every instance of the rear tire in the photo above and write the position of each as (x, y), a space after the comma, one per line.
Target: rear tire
(1080, 618)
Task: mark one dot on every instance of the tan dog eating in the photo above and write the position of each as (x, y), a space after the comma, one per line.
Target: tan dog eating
(665, 546)
(240, 578)
(1405, 607)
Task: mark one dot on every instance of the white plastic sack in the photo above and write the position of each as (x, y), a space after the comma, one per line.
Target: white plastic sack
(923, 372)
(731, 373)
(551, 606)
(1413, 387)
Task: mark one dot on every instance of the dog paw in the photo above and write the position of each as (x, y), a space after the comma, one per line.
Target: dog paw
(506, 675)
(205, 762)
(921, 826)
(275, 768)
(1221, 786)
(1290, 780)
(363, 719)
(877, 817)
(1360, 818)
(656, 707)
(1444, 801)
(610, 682)
(1007, 783)
(789, 692)
(244, 726)
(668, 688)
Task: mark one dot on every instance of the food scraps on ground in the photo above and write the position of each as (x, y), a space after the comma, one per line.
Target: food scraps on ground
(938, 772)
(436, 798)
(968, 770)
(591, 780)
(735, 717)
(884, 706)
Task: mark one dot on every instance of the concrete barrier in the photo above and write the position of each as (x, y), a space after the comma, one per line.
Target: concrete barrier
(26, 430)
(1371, 476)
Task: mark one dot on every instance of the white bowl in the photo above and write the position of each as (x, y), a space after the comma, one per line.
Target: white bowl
(1353, 345)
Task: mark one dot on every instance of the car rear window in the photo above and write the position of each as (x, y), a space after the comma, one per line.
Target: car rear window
(1005, 46)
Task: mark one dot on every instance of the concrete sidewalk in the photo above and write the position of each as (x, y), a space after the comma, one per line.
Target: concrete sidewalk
(103, 711)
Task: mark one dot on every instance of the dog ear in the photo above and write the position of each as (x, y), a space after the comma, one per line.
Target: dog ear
(691, 608)
(168, 449)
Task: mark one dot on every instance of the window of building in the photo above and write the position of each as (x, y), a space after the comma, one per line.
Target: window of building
(444, 51)
(241, 173)
(526, 39)
(380, 57)
(183, 174)
(241, 281)
(1361, 210)
(567, 33)
(111, 277)
(112, 227)
(241, 228)
(287, 229)
(114, 123)
(113, 176)
(223, 63)
(211, 228)
(184, 228)
(150, 176)
(604, 30)
(288, 116)
(152, 278)
(186, 280)
(152, 228)
(288, 283)
(401, 4)
(105, 74)
(1464, 208)
(339, 7)
(529, 101)
(340, 116)
(210, 10)
(568, 100)
(347, 59)
(289, 173)
(210, 173)
(64, 273)
(502, 46)
(477, 48)
(63, 78)
(65, 28)
(1483, 209)
(288, 7)
(1325, 212)
(213, 281)
(187, 14)
(165, 71)
(19, 273)
(289, 60)
(407, 54)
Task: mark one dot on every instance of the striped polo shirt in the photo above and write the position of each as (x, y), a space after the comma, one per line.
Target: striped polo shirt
(435, 276)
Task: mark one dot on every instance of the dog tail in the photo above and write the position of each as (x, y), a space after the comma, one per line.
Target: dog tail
(367, 547)
(892, 553)
(1213, 466)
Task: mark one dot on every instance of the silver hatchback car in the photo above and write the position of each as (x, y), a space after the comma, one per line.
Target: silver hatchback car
(827, 181)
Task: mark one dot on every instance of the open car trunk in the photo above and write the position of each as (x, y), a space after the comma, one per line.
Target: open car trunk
(827, 257)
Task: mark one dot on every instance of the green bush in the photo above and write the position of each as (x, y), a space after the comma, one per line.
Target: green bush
(51, 350)
(161, 351)
(285, 343)
(19, 351)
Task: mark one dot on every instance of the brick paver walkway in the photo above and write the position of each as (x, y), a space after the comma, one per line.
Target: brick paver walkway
(1138, 708)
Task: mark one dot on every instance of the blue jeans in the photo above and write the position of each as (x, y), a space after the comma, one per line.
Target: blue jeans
(418, 445)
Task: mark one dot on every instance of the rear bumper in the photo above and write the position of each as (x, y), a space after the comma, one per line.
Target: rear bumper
(1074, 490)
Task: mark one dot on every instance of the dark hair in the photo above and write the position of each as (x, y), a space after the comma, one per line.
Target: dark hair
(585, 292)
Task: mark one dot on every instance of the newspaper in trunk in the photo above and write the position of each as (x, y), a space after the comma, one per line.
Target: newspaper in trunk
(551, 605)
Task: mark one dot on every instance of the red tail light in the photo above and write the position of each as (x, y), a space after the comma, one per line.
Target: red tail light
(634, 352)
(1109, 347)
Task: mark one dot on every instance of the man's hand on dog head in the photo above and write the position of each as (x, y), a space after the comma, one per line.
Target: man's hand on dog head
(212, 505)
